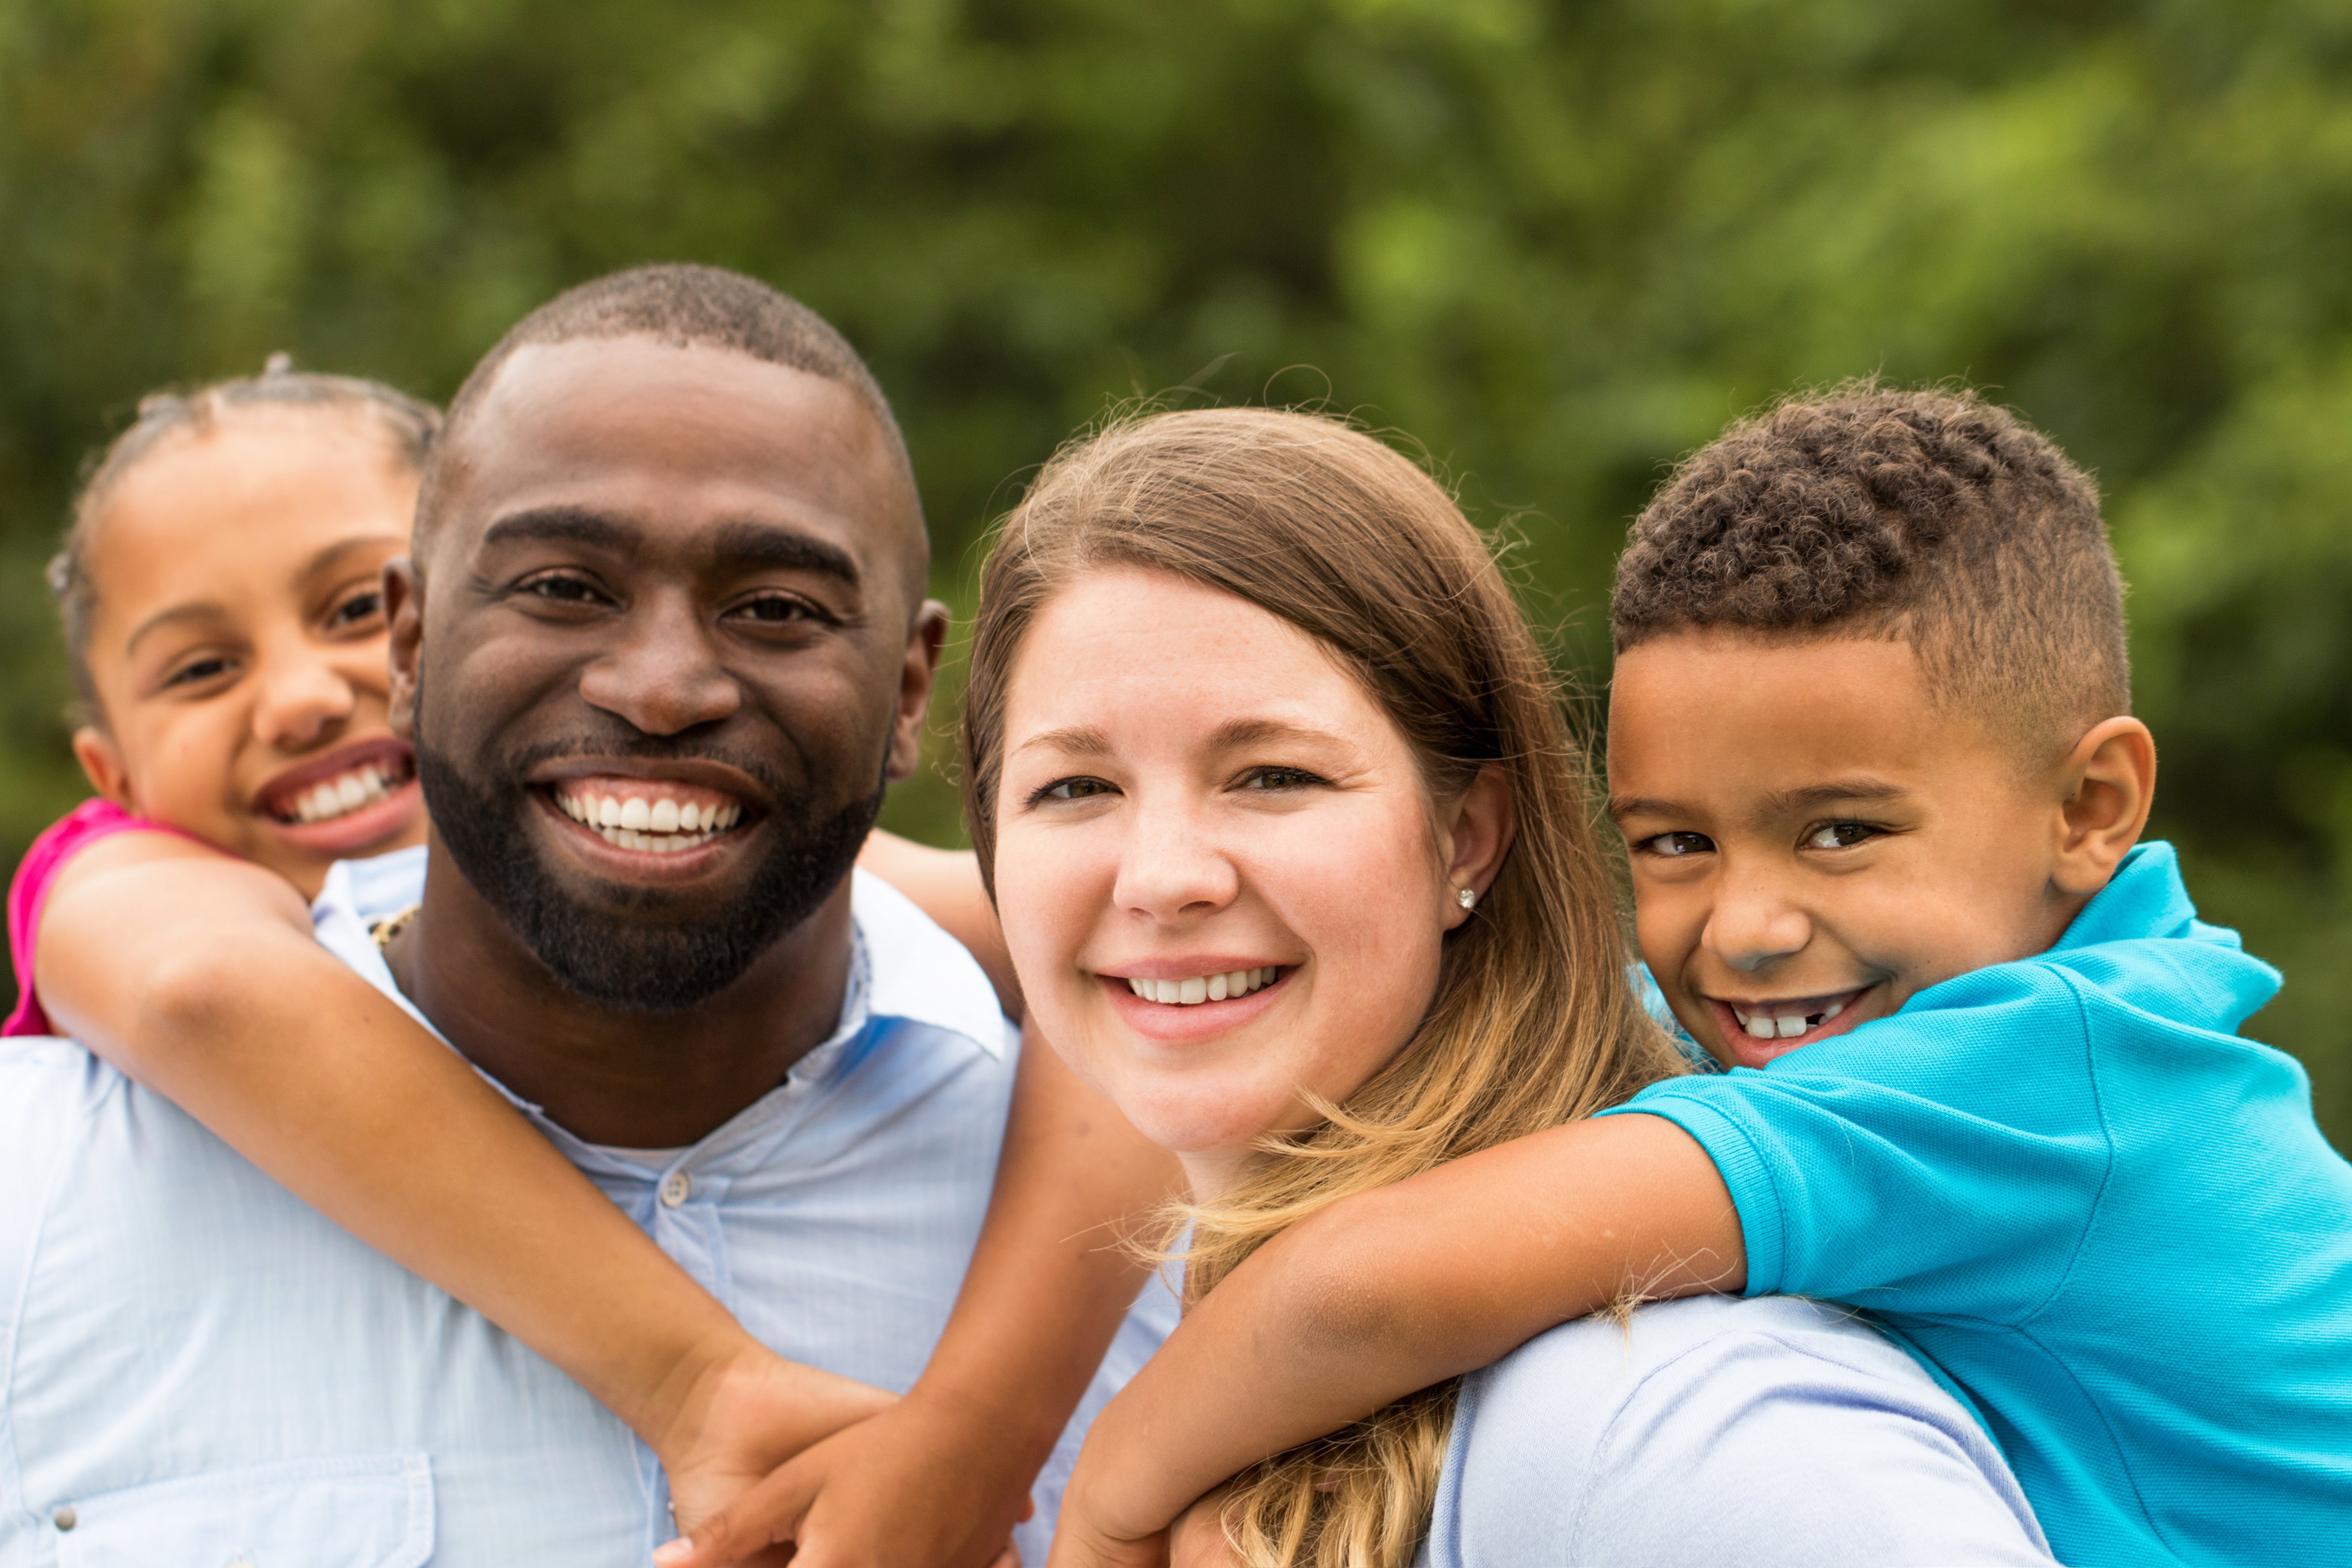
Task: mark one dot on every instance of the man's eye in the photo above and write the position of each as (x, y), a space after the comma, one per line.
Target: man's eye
(197, 671)
(357, 610)
(1839, 835)
(778, 609)
(1675, 846)
(1279, 778)
(564, 590)
(1072, 789)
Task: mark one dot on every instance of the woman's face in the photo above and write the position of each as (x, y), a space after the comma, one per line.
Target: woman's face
(1199, 803)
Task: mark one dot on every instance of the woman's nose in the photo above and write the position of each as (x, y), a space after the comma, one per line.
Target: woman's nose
(302, 697)
(1172, 869)
(1752, 923)
(664, 677)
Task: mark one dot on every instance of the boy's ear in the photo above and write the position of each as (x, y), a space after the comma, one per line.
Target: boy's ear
(404, 607)
(2109, 781)
(101, 763)
(1476, 833)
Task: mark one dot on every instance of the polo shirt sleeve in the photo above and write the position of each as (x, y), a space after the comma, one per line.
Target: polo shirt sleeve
(1943, 1162)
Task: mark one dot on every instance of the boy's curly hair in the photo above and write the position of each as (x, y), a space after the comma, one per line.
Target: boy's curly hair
(1930, 515)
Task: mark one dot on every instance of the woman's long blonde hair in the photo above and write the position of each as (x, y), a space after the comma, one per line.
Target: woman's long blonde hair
(1533, 1023)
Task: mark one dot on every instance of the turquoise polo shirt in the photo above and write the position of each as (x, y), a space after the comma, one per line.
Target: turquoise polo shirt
(2110, 1221)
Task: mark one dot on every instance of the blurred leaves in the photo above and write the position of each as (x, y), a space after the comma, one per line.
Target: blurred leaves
(1558, 244)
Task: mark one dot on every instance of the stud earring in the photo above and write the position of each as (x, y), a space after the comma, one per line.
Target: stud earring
(1466, 898)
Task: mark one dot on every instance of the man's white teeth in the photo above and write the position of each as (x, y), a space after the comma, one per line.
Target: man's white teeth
(344, 793)
(1787, 1026)
(1204, 987)
(661, 827)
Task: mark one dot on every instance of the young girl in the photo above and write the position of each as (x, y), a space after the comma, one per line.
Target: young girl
(219, 591)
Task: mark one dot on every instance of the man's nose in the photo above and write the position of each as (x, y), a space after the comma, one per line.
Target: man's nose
(1753, 921)
(1172, 869)
(301, 698)
(664, 675)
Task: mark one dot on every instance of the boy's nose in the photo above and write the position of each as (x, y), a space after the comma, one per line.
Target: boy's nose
(1750, 925)
(664, 677)
(1169, 869)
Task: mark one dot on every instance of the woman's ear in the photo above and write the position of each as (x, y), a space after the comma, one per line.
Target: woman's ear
(2108, 786)
(1474, 833)
(101, 763)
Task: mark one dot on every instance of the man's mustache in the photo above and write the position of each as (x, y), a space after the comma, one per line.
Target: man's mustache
(631, 745)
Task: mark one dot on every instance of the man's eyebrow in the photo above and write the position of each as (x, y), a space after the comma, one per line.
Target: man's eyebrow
(765, 544)
(568, 525)
(1078, 739)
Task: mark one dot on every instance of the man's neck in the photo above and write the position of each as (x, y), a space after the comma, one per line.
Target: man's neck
(645, 1080)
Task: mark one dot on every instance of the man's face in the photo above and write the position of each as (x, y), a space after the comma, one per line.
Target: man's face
(667, 655)
(1812, 840)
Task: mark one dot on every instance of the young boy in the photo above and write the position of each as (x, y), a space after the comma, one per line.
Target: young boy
(1871, 752)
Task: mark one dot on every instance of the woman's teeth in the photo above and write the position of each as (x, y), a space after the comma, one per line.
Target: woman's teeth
(1787, 1026)
(1204, 987)
(662, 826)
(344, 794)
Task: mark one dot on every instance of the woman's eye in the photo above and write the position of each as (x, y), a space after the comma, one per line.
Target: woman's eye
(357, 610)
(1840, 835)
(1072, 789)
(1279, 778)
(197, 671)
(1676, 845)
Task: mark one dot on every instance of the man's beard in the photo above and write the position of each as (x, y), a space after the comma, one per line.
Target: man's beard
(656, 965)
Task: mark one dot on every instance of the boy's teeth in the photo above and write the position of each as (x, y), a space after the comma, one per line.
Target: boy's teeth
(1760, 1026)
(1204, 987)
(1784, 1027)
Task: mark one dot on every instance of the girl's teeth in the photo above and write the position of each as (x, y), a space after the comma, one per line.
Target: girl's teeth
(344, 793)
(1204, 987)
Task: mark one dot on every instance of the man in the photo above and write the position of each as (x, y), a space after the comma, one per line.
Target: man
(660, 648)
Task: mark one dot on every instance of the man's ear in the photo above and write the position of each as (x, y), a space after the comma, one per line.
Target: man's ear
(918, 672)
(2109, 782)
(404, 607)
(1474, 833)
(101, 763)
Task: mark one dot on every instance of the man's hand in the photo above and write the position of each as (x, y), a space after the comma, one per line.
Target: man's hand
(917, 1486)
(742, 1416)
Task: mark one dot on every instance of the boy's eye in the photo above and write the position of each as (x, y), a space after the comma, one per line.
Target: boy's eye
(1675, 846)
(1071, 789)
(1280, 779)
(1840, 835)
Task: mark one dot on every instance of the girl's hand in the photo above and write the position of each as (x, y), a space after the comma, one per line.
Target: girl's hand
(1198, 1538)
(917, 1486)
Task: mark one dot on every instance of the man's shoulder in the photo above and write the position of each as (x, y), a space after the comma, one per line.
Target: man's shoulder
(917, 972)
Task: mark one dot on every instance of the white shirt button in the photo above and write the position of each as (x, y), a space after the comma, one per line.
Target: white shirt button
(65, 1517)
(675, 1188)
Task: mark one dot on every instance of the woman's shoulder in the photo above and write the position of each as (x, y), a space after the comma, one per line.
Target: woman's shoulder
(1774, 1428)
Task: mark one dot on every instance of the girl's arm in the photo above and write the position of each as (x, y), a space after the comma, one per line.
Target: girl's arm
(945, 885)
(1389, 1293)
(196, 974)
(1048, 1289)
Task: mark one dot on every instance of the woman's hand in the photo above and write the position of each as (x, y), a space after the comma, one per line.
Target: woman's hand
(919, 1485)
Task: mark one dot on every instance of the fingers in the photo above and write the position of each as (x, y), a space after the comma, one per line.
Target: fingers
(766, 1514)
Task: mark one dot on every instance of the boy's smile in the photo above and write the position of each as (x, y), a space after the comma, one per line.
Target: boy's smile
(1813, 839)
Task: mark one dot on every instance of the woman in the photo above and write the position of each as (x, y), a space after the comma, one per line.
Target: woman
(1296, 864)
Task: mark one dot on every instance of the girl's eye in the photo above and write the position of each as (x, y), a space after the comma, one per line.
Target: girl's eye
(1071, 789)
(1675, 846)
(1840, 835)
(197, 671)
(1279, 778)
(357, 610)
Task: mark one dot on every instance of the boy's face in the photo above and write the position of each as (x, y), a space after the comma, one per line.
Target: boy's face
(1812, 840)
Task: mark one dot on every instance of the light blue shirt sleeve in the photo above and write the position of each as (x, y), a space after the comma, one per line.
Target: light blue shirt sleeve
(1712, 1431)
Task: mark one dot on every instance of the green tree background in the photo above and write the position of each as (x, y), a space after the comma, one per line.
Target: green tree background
(1559, 244)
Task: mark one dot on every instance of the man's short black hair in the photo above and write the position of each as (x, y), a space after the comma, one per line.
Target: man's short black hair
(1931, 515)
(683, 305)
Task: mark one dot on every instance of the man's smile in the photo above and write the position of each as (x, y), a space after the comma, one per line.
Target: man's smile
(669, 821)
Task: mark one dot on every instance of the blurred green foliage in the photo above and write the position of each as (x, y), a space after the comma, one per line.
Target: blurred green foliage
(1558, 245)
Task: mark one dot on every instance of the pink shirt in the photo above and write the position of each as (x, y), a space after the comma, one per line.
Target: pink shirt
(82, 827)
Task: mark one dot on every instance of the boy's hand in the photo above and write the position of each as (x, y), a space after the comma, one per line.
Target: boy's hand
(744, 1414)
(917, 1486)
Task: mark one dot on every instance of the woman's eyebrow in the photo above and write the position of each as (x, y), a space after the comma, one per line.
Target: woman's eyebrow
(1077, 740)
(1236, 732)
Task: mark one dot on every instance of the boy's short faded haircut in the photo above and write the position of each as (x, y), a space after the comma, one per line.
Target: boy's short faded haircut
(1867, 512)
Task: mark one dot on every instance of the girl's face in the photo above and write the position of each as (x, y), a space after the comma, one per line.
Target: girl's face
(237, 645)
(1220, 871)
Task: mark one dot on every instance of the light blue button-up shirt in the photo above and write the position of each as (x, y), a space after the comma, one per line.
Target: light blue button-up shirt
(196, 1369)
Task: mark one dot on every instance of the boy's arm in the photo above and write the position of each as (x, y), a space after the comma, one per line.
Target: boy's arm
(197, 974)
(1047, 1291)
(1388, 1292)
